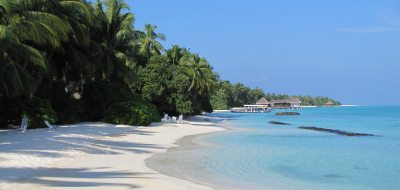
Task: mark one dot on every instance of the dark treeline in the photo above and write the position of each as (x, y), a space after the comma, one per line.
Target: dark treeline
(228, 95)
(67, 61)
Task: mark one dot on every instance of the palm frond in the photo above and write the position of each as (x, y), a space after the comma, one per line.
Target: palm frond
(71, 6)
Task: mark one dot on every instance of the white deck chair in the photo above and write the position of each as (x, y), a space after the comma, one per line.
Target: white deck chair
(48, 124)
(24, 124)
(174, 119)
(165, 119)
(180, 119)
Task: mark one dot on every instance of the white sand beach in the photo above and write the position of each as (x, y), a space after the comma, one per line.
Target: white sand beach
(92, 156)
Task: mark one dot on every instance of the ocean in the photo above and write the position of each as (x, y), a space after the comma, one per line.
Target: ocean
(255, 154)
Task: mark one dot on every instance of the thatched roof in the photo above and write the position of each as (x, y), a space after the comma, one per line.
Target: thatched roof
(289, 101)
(278, 101)
(295, 101)
(329, 103)
(262, 101)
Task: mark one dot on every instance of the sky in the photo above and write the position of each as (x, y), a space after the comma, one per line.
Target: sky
(347, 50)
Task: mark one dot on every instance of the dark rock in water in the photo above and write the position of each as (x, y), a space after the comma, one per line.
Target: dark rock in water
(338, 132)
(278, 123)
(287, 113)
(361, 168)
(333, 176)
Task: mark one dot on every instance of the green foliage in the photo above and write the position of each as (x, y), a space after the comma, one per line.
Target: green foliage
(38, 110)
(205, 104)
(98, 96)
(153, 78)
(219, 100)
(183, 104)
(227, 96)
(175, 54)
(183, 100)
(132, 113)
(57, 49)
(317, 101)
(199, 71)
(164, 84)
(273, 96)
(148, 41)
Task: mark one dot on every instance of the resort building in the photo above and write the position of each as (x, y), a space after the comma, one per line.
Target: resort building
(295, 102)
(286, 103)
(262, 101)
(261, 105)
(329, 104)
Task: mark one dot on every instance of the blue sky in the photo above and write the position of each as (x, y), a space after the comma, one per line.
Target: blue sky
(348, 50)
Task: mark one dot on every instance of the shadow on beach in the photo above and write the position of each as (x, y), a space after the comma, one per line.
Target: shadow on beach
(76, 177)
(27, 151)
(88, 138)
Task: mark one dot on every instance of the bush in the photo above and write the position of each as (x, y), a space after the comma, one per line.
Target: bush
(39, 110)
(98, 96)
(69, 111)
(132, 113)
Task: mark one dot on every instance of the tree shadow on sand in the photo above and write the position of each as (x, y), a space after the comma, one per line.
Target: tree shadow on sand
(71, 177)
(87, 138)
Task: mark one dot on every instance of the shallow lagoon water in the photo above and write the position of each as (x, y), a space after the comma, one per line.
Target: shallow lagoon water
(259, 155)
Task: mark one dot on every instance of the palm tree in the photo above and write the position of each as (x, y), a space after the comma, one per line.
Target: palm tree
(117, 37)
(70, 64)
(175, 54)
(148, 41)
(210, 80)
(25, 28)
(202, 78)
(79, 16)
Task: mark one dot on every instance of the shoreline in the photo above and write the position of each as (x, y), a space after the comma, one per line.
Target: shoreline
(94, 156)
(177, 161)
(165, 162)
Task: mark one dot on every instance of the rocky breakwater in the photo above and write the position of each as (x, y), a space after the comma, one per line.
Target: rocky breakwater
(278, 123)
(334, 131)
(287, 113)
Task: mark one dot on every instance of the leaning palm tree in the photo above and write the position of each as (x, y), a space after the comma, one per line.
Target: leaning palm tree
(148, 41)
(25, 28)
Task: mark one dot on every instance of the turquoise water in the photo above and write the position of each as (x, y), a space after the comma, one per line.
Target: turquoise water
(258, 155)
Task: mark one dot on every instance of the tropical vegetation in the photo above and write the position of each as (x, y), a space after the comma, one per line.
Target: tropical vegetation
(228, 95)
(68, 61)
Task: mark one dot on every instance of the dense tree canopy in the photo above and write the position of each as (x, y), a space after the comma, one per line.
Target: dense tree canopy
(228, 95)
(70, 60)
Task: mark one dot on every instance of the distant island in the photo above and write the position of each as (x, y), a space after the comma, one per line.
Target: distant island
(229, 95)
